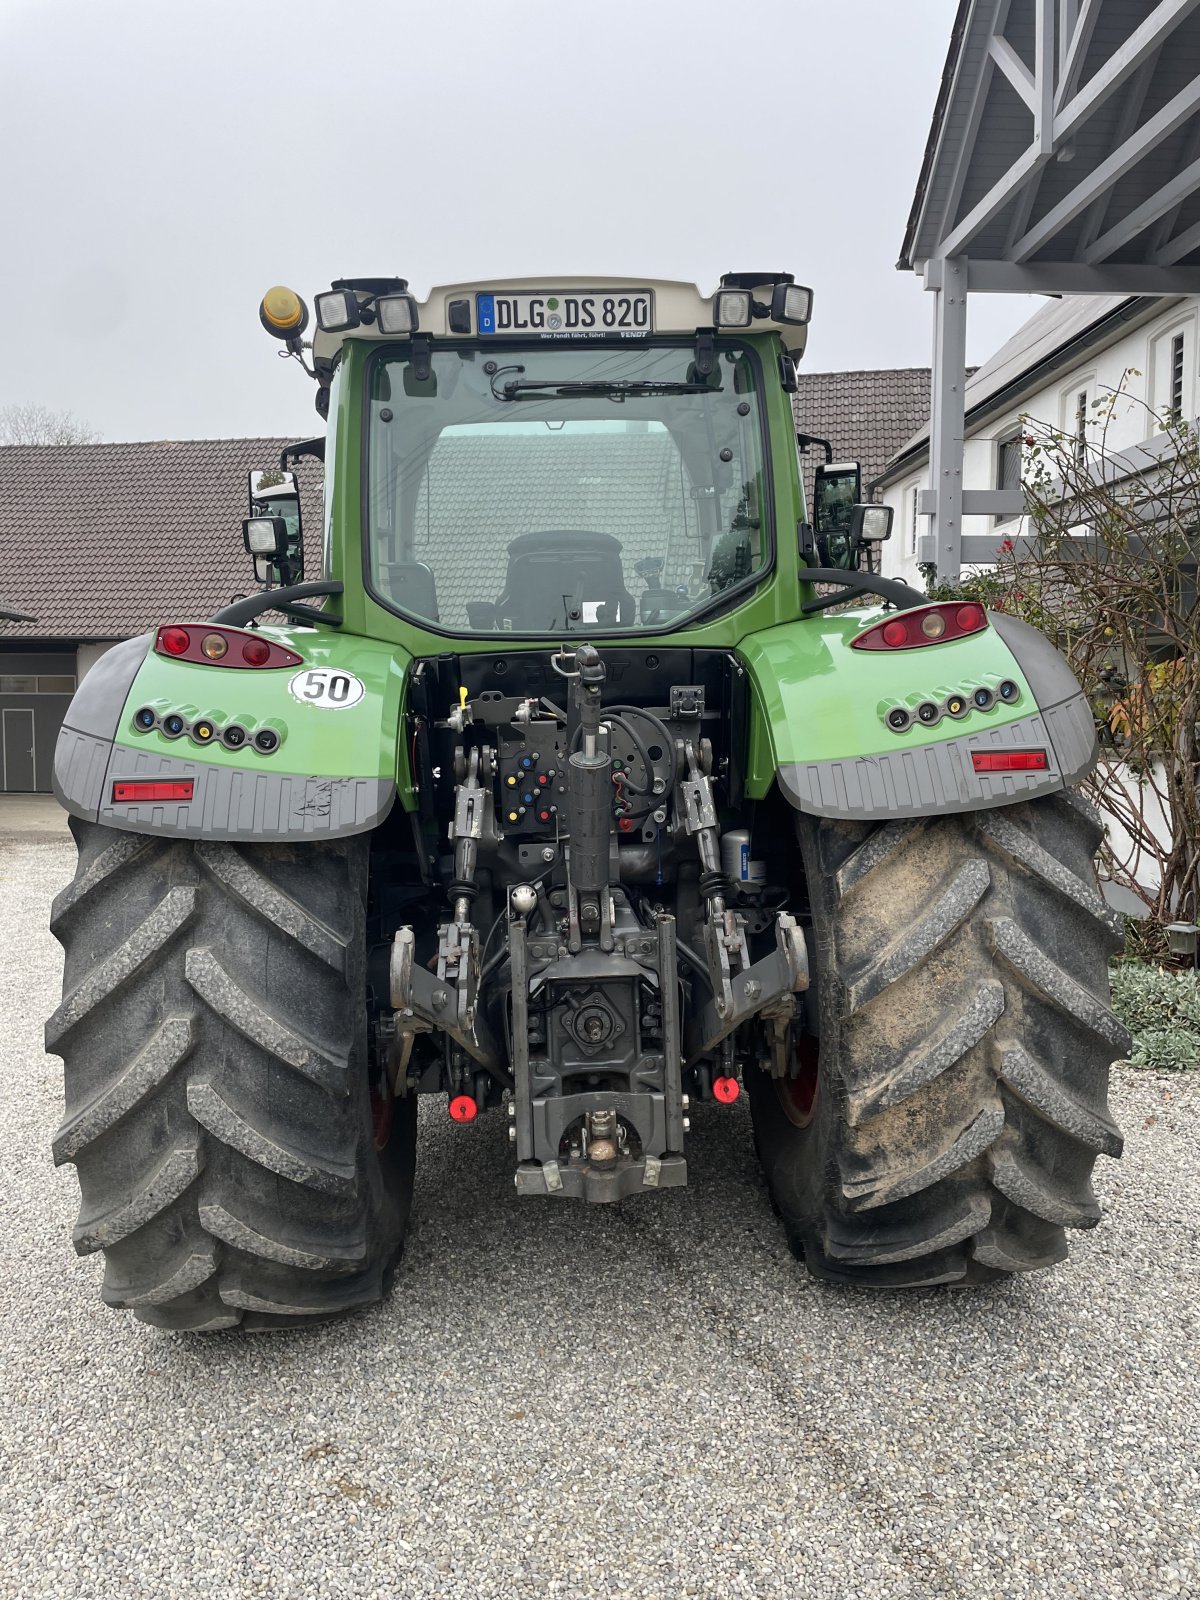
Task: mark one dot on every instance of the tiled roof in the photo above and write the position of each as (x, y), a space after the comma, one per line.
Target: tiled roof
(866, 416)
(101, 541)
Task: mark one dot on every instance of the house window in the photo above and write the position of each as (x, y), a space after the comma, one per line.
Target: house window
(41, 683)
(1008, 465)
(1081, 401)
(1177, 375)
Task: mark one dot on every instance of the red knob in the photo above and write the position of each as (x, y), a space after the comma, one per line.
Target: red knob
(726, 1090)
(463, 1108)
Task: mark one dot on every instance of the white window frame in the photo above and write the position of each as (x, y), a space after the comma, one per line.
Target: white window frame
(912, 535)
(1006, 435)
(1159, 345)
(1068, 403)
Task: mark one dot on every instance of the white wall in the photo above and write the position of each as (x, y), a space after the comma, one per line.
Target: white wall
(1146, 349)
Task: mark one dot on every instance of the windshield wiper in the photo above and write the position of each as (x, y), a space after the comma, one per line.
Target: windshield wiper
(616, 388)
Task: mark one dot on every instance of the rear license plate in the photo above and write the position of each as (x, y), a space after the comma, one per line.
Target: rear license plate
(551, 313)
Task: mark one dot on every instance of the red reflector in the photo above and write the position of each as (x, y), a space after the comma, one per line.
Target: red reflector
(1009, 760)
(134, 793)
(463, 1108)
(174, 640)
(726, 1090)
(256, 652)
(894, 634)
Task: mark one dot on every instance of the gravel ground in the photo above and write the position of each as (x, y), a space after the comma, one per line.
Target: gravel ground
(649, 1400)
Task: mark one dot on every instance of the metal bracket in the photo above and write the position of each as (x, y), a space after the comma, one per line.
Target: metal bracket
(687, 700)
(446, 1002)
(757, 989)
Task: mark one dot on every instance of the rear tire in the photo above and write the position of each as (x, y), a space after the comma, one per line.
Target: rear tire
(965, 1043)
(213, 1031)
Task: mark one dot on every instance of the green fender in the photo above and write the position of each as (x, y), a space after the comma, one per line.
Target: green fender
(819, 726)
(337, 766)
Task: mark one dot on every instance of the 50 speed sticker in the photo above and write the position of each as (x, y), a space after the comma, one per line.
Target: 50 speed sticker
(329, 687)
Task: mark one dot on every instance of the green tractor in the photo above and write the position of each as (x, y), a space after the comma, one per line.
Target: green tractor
(584, 780)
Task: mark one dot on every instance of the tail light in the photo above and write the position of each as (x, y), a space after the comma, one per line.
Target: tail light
(223, 647)
(923, 625)
(1009, 760)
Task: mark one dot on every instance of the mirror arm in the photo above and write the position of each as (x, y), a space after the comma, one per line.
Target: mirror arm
(243, 611)
(805, 439)
(901, 595)
(303, 447)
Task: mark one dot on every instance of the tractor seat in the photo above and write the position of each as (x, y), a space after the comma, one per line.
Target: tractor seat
(554, 574)
(410, 585)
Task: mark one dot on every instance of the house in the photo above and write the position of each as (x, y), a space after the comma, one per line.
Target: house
(1070, 353)
(100, 542)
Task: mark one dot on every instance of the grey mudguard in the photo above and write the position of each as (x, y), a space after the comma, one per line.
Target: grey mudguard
(85, 740)
(227, 802)
(238, 803)
(941, 777)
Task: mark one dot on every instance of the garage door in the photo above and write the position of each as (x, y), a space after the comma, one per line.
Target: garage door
(35, 691)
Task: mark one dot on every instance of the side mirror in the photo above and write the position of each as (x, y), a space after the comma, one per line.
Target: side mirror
(277, 539)
(870, 524)
(837, 489)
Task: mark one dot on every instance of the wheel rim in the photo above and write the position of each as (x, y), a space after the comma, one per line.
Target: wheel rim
(799, 1091)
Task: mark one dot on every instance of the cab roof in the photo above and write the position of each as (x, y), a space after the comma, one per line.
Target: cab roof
(675, 307)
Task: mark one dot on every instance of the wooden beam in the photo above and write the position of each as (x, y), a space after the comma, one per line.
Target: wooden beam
(1014, 69)
(1181, 246)
(1077, 49)
(1122, 64)
(1124, 158)
(1131, 111)
(1166, 226)
(1072, 277)
(1043, 103)
(1139, 219)
(997, 197)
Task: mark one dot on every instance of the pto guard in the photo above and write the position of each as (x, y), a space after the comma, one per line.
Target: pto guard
(821, 704)
(351, 755)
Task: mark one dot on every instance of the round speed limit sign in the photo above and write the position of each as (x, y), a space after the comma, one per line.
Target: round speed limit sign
(328, 687)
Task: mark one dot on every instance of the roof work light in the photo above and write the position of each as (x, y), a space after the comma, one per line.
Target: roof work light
(397, 313)
(338, 310)
(791, 303)
(733, 308)
(735, 304)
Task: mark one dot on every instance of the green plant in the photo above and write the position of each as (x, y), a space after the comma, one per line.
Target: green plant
(1161, 1009)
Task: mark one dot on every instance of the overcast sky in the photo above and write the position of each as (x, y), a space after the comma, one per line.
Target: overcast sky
(166, 161)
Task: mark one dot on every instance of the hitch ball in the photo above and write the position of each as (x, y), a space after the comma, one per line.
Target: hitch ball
(523, 899)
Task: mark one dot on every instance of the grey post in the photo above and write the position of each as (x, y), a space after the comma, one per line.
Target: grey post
(943, 500)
